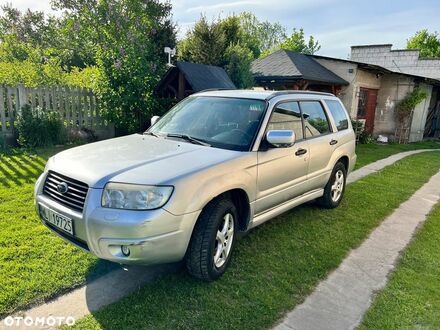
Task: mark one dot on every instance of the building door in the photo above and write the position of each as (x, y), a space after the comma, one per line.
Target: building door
(367, 107)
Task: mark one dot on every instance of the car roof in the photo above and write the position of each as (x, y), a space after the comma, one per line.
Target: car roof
(257, 94)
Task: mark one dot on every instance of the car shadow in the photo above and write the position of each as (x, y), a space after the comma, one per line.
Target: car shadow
(108, 282)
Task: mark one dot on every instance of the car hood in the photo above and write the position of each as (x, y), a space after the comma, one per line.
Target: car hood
(140, 159)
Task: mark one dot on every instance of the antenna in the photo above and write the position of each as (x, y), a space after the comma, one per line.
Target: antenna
(171, 53)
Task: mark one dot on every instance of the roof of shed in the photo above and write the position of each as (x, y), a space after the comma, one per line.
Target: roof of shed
(288, 65)
(202, 76)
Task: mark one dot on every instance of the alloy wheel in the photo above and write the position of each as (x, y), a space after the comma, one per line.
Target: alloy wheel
(223, 240)
(338, 186)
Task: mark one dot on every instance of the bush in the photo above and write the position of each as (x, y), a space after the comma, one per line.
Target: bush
(39, 128)
(362, 136)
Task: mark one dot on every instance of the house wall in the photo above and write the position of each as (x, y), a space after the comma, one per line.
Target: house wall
(400, 60)
(349, 95)
(393, 88)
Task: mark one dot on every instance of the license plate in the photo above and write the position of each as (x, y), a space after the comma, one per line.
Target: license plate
(58, 220)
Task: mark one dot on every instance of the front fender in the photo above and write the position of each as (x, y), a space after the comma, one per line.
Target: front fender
(194, 192)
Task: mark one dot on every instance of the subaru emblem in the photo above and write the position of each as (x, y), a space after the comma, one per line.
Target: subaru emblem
(62, 187)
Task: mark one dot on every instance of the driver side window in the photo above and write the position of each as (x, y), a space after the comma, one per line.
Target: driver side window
(287, 116)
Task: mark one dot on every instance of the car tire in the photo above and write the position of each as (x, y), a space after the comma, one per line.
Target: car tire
(213, 239)
(335, 188)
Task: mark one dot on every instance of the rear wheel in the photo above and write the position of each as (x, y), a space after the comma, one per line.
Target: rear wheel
(335, 188)
(213, 240)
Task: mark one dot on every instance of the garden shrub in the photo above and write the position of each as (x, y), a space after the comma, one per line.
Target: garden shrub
(39, 128)
(362, 135)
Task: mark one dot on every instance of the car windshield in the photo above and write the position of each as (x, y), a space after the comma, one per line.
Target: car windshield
(228, 123)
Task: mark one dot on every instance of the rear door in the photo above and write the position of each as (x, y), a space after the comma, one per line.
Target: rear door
(321, 142)
(282, 172)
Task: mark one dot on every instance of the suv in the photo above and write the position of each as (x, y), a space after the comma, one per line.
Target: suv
(216, 165)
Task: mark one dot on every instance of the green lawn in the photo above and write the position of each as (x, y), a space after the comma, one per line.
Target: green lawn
(411, 299)
(274, 267)
(368, 153)
(37, 265)
(34, 263)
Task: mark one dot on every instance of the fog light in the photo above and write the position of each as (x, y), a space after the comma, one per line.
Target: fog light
(125, 250)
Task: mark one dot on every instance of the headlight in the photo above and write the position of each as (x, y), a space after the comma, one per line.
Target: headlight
(135, 197)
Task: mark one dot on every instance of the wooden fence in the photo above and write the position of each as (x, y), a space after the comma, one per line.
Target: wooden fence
(76, 106)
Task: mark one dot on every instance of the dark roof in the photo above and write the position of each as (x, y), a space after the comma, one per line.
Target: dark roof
(201, 76)
(288, 65)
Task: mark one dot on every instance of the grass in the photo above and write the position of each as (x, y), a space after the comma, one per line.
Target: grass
(274, 267)
(34, 264)
(411, 299)
(368, 153)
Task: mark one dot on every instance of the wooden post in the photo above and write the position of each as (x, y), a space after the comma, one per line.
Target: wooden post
(20, 97)
(54, 99)
(2, 110)
(67, 104)
(79, 108)
(46, 99)
(86, 107)
(40, 98)
(181, 89)
(10, 107)
(92, 109)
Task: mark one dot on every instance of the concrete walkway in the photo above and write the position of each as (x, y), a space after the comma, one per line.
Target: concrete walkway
(117, 284)
(340, 301)
(382, 163)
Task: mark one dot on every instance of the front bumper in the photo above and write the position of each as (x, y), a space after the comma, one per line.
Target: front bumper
(153, 237)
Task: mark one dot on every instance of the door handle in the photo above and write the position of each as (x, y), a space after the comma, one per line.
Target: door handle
(333, 142)
(300, 152)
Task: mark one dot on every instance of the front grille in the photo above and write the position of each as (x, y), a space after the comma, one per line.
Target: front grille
(75, 196)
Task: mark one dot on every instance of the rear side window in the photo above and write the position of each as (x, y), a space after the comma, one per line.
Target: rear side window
(338, 113)
(287, 116)
(315, 119)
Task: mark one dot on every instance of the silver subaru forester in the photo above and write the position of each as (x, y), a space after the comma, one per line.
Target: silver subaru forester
(217, 164)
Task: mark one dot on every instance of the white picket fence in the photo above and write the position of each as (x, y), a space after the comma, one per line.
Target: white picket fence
(76, 106)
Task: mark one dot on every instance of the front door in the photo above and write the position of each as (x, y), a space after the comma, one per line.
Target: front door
(282, 172)
(367, 107)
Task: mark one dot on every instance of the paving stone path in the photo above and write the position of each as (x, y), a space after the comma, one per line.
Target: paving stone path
(337, 303)
(341, 300)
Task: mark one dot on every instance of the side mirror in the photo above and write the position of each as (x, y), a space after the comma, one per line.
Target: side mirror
(280, 138)
(154, 120)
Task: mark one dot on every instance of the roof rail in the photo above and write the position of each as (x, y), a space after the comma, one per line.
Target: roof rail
(216, 89)
(292, 92)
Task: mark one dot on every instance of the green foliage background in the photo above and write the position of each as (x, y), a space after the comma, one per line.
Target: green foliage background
(115, 48)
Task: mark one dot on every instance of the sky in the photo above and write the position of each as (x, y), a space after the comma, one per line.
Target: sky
(336, 24)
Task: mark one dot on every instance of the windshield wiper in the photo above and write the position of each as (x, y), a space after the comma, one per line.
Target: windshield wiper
(152, 134)
(188, 138)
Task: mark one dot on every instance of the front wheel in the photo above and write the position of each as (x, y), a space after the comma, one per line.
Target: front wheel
(335, 188)
(213, 240)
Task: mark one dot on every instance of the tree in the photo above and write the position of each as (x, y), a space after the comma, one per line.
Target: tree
(260, 37)
(297, 43)
(221, 43)
(130, 37)
(205, 43)
(428, 43)
(49, 35)
(238, 67)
